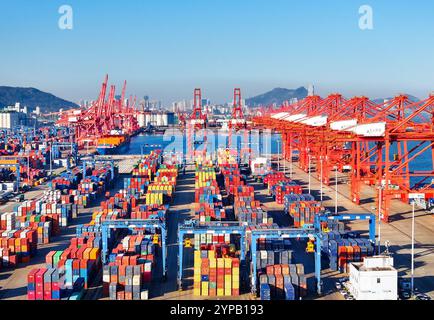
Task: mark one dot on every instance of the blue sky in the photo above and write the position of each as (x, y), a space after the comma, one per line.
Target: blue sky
(166, 48)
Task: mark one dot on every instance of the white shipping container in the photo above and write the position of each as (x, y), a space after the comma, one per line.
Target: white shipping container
(144, 295)
(227, 238)
(136, 280)
(106, 278)
(147, 267)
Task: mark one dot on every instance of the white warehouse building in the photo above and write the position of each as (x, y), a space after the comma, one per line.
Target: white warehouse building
(158, 119)
(9, 120)
(374, 279)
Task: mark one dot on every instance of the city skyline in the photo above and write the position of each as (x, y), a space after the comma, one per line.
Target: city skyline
(166, 49)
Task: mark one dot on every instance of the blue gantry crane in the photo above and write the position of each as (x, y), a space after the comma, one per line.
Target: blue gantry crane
(284, 233)
(57, 146)
(17, 172)
(134, 224)
(191, 227)
(347, 217)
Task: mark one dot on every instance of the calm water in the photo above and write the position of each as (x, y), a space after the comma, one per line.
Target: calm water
(179, 142)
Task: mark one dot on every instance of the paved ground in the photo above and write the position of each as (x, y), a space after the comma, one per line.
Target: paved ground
(13, 282)
(398, 232)
(35, 193)
(180, 210)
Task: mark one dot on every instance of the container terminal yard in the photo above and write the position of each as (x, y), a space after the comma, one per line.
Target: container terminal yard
(329, 216)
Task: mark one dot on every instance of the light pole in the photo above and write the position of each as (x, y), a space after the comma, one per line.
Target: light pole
(336, 190)
(51, 158)
(412, 250)
(379, 218)
(278, 155)
(290, 159)
(28, 168)
(321, 181)
(309, 174)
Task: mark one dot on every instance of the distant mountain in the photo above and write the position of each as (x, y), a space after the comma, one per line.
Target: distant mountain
(32, 98)
(277, 96)
(410, 97)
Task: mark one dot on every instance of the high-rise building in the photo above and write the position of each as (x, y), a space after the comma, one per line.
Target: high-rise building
(311, 90)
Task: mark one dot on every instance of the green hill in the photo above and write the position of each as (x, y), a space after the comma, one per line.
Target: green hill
(32, 98)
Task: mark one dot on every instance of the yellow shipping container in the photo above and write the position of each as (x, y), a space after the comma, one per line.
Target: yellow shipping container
(235, 283)
(94, 254)
(228, 291)
(220, 263)
(205, 287)
(196, 292)
(86, 253)
(212, 263)
(220, 292)
(197, 255)
(228, 263)
(197, 285)
(5, 162)
(197, 269)
(228, 278)
(197, 277)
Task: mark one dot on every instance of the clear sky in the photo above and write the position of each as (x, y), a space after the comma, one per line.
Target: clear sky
(166, 48)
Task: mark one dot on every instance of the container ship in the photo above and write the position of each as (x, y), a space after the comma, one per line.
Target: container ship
(113, 144)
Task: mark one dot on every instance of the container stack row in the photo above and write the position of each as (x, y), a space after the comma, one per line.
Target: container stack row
(246, 208)
(35, 222)
(17, 246)
(302, 208)
(160, 190)
(341, 252)
(68, 272)
(283, 282)
(129, 272)
(271, 252)
(147, 167)
(216, 275)
(208, 204)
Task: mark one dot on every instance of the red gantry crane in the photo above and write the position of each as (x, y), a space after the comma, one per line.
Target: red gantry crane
(196, 122)
(102, 117)
(237, 121)
(378, 144)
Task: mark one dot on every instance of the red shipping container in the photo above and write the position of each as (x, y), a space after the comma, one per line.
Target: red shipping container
(277, 269)
(121, 295)
(279, 281)
(270, 270)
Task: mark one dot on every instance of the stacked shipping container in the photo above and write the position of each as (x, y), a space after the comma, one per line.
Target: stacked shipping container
(129, 271)
(215, 276)
(302, 208)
